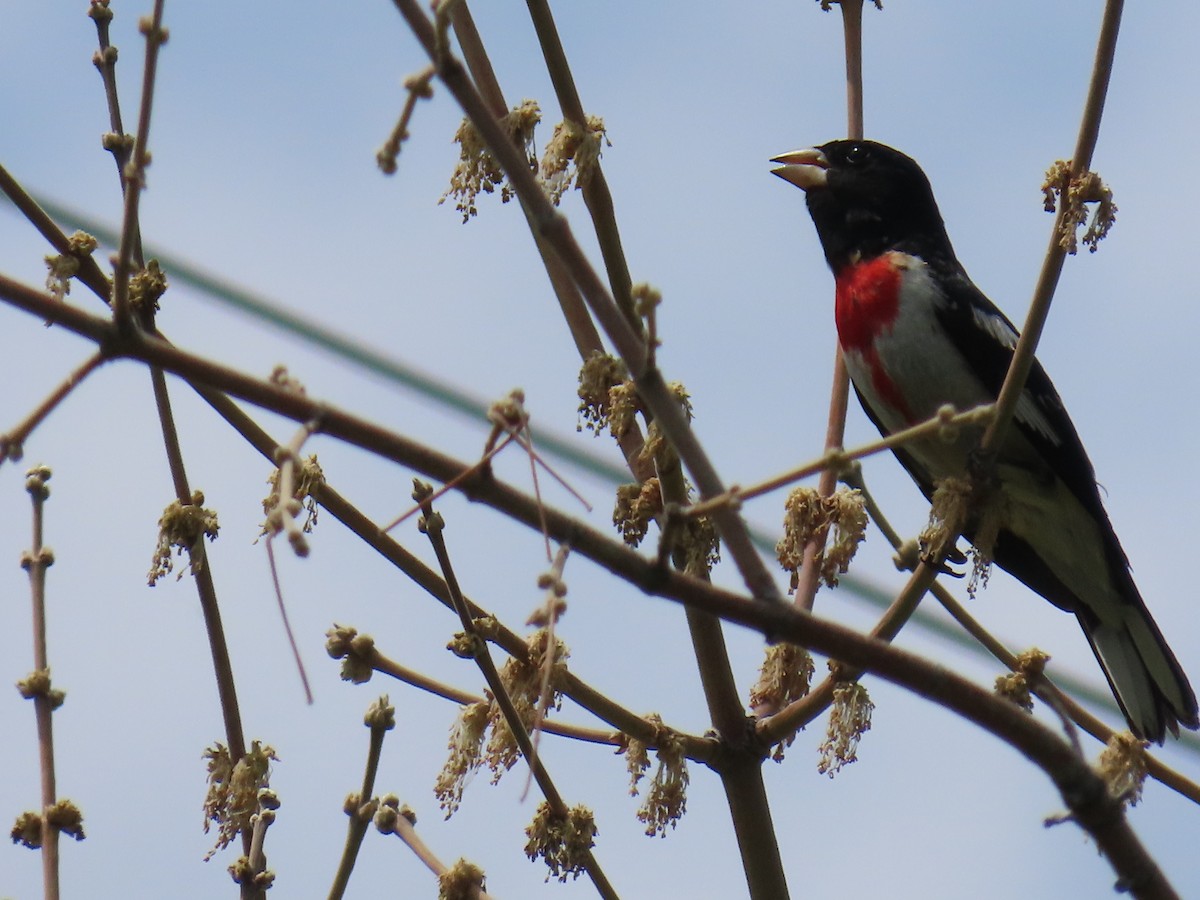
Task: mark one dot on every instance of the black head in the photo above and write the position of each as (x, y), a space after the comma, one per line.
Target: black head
(865, 199)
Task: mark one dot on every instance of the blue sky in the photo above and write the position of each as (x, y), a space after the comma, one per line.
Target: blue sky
(266, 123)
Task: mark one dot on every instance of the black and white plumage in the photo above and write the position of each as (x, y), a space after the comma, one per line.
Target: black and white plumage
(917, 334)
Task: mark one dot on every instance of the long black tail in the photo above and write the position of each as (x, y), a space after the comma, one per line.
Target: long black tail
(1144, 675)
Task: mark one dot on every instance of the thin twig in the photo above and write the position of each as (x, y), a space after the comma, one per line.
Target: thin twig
(39, 558)
(852, 33)
(594, 187)
(607, 710)
(393, 669)
(406, 832)
(360, 808)
(453, 483)
(89, 272)
(418, 88)
(287, 625)
(282, 518)
(404, 829)
(256, 858)
(555, 589)
(836, 460)
(557, 232)
(808, 579)
(204, 582)
(432, 526)
(134, 174)
(583, 330)
(525, 439)
(105, 61)
(207, 592)
(12, 442)
(1052, 265)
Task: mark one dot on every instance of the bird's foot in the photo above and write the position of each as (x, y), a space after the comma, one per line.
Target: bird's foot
(914, 552)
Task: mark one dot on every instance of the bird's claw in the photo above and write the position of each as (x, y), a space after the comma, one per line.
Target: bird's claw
(953, 555)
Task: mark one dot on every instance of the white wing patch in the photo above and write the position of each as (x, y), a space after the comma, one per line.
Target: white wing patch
(1028, 411)
(1030, 414)
(995, 326)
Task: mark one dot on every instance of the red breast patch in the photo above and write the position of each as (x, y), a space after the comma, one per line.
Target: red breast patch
(868, 301)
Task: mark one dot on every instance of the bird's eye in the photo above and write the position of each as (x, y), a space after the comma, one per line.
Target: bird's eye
(857, 154)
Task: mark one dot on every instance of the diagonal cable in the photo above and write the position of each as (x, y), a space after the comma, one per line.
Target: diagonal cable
(452, 397)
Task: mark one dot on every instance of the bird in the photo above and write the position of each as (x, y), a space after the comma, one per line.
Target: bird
(916, 334)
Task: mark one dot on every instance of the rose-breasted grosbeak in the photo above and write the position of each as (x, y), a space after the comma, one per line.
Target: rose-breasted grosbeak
(917, 334)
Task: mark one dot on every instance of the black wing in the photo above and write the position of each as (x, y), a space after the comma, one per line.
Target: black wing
(988, 340)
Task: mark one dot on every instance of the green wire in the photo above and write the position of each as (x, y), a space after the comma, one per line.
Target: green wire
(475, 408)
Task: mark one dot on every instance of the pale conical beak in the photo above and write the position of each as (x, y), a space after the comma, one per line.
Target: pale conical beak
(806, 169)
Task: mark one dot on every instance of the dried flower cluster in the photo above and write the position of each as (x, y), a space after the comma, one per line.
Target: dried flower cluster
(947, 516)
(466, 743)
(637, 506)
(1017, 685)
(1078, 192)
(307, 478)
(27, 830)
(64, 816)
(624, 403)
(785, 676)
(183, 529)
(571, 156)
(700, 545)
(957, 501)
(658, 449)
(37, 684)
(462, 881)
(1122, 765)
(810, 518)
(62, 267)
(145, 287)
(67, 818)
(233, 789)
(477, 170)
(608, 398)
(849, 720)
(522, 679)
(563, 843)
(600, 373)
(637, 755)
(666, 798)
